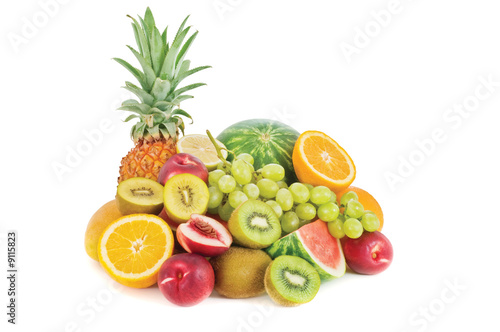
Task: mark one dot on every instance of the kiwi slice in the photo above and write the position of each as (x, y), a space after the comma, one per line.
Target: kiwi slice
(239, 272)
(291, 281)
(254, 224)
(185, 194)
(139, 195)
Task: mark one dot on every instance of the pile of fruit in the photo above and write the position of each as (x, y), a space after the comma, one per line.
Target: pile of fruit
(260, 209)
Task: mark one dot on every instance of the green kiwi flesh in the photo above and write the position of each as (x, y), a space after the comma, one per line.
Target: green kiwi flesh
(291, 281)
(139, 195)
(239, 272)
(254, 224)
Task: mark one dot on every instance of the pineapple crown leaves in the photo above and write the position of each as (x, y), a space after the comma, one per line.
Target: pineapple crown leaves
(163, 68)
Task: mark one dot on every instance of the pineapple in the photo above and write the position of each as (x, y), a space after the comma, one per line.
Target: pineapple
(157, 110)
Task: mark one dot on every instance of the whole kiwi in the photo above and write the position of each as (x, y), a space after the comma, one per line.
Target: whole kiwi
(239, 272)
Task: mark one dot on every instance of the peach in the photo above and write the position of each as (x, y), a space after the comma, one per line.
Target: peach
(186, 279)
(183, 163)
(204, 235)
(371, 253)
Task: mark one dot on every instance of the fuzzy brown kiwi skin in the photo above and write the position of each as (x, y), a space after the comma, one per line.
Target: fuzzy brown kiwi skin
(239, 272)
(126, 208)
(273, 293)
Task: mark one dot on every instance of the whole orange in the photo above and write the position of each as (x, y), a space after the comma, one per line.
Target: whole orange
(100, 220)
(368, 201)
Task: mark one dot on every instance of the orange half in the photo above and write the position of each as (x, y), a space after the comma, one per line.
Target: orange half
(320, 161)
(133, 248)
(367, 200)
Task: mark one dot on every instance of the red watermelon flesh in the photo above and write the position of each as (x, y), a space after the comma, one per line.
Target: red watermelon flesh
(314, 243)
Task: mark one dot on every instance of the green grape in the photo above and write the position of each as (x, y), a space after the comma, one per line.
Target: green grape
(273, 172)
(309, 186)
(299, 192)
(320, 195)
(241, 171)
(213, 210)
(276, 207)
(336, 228)
(236, 198)
(268, 188)
(328, 212)
(353, 228)
(289, 222)
(251, 190)
(250, 166)
(225, 211)
(219, 165)
(370, 221)
(223, 167)
(282, 184)
(285, 199)
(227, 184)
(333, 199)
(348, 196)
(238, 187)
(246, 157)
(305, 211)
(354, 209)
(303, 222)
(214, 176)
(215, 198)
(257, 176)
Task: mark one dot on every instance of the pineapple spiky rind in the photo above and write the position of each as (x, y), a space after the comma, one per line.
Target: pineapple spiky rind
(163, 68)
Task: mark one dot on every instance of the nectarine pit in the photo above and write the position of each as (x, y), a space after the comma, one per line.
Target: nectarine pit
(203, 228)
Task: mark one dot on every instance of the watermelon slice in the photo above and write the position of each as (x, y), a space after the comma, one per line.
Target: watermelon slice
(314, 243)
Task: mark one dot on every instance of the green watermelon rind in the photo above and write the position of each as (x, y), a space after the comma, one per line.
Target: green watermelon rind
(292, 245)
(242, 137)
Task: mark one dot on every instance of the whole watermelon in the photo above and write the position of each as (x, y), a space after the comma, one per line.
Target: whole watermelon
(268, 141)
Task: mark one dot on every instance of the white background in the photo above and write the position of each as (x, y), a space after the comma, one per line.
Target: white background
(273, 59)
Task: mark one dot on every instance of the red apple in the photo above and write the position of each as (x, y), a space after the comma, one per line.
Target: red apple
(186, 279)
(371, 253)
(178, 249)
(163, 215)
(183, 163)
(204, 235)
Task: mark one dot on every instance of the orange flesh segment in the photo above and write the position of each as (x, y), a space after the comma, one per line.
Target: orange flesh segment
(326, 158)
(136, 246)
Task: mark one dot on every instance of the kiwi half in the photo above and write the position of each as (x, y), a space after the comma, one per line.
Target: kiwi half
(291, 281)
(254, 224)
(139, 195)
(185, 194)
(239, 272)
